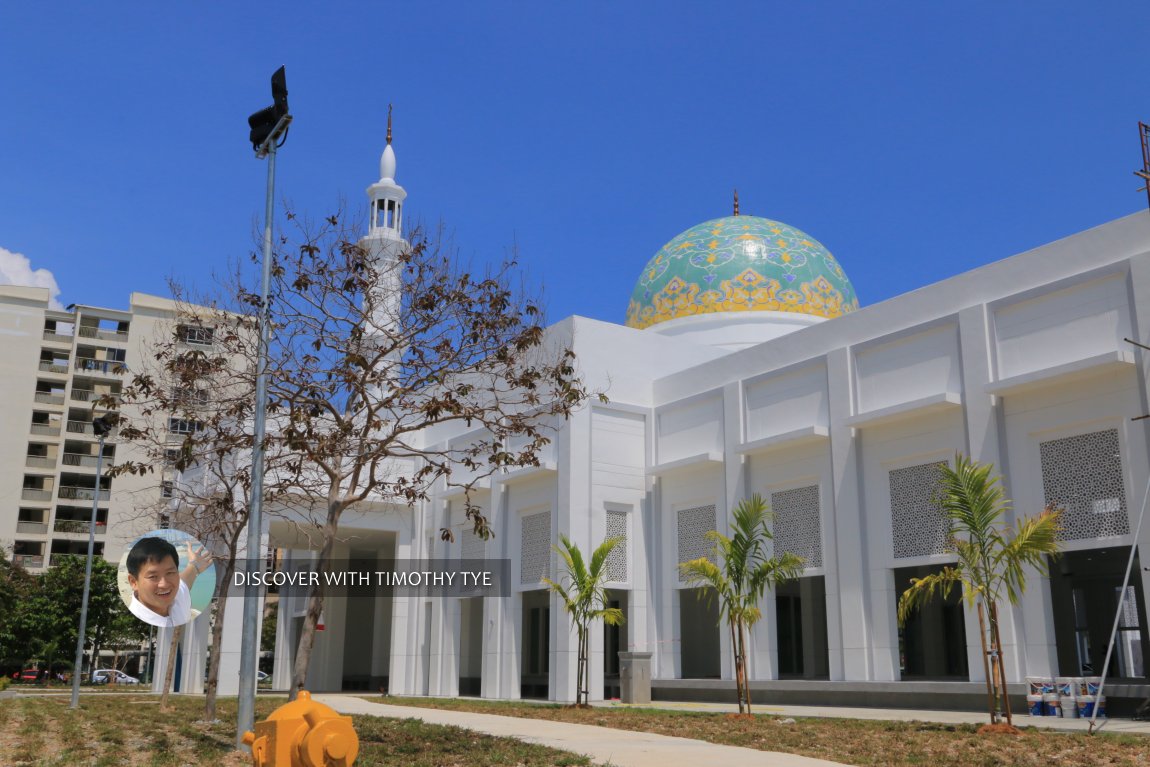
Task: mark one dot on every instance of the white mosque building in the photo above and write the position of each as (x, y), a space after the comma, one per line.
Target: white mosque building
(746, 365)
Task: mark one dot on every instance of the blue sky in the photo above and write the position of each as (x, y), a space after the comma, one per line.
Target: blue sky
(916, 140)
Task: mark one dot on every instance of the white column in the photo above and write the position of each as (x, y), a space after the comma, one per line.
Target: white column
(848, 620)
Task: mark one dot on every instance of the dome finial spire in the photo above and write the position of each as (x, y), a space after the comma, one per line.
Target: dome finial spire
(389, 123)
(736, 202)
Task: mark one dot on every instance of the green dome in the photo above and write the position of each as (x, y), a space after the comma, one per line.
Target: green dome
(740, 264)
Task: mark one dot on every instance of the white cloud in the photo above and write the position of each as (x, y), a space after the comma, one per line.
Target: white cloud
(16, 269)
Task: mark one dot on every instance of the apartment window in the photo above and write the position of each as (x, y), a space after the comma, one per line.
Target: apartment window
(166, 488)
(192, 334)
(190, 396)
(184, 426)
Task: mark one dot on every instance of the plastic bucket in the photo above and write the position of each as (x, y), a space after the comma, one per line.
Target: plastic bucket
(1088, 685)
(1069, 707)
(1066, 686)
(1051, 704)
(1086, 705)
(1039, 685)
(1034, 705)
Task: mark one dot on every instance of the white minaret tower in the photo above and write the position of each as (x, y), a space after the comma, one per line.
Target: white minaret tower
(384, 240)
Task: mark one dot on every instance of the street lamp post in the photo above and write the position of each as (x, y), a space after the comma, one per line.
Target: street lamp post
(100, 426)
(268, 130)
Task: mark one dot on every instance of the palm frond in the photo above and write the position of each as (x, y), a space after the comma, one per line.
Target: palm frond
(923, 590)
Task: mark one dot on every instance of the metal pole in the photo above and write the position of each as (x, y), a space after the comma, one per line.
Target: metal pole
(1094, 726)
(87, 581)
(249, 647)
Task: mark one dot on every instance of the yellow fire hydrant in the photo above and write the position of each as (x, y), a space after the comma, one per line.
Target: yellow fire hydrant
(303, 733)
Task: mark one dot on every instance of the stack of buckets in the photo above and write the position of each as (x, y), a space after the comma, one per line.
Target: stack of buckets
(1067, 696)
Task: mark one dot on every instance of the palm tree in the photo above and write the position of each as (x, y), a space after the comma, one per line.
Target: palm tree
(742, 574)
(585, 599)
(991, 562)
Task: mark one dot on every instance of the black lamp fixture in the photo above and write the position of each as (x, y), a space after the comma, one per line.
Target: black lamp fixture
(263, 123)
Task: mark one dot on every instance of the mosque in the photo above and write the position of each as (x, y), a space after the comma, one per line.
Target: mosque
(746, 365)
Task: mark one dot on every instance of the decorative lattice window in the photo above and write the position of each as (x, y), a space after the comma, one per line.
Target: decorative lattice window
(616, 565)
(471, 546)
(797, 528)
(1083, 475)
(918, 526)
(694, 524)
(535, 548)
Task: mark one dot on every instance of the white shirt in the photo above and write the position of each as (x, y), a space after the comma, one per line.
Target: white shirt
(179, 613)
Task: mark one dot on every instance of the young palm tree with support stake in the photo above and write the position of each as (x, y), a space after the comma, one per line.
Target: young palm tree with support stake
(740, 580)
(991, 562)
(585, 599)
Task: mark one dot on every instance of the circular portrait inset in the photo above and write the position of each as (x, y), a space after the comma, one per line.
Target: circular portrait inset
(167, 578)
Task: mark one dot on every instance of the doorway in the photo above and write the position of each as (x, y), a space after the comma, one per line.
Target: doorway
(534, 674)
(932, 643)
(699, 634)
(614, 642)
(1085, 593)
(801, 626)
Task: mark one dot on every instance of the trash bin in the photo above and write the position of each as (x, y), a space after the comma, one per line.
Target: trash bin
(635, 677)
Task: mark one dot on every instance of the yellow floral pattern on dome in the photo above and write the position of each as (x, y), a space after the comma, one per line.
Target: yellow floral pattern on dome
(740, 263)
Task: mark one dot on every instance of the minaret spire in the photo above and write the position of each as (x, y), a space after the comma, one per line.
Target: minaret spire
(387, 196)
(736, 202)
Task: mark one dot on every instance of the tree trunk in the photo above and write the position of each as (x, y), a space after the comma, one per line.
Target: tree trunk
(212, 685)
(315, 602)
(177, 635)
(738, 679)
(996, 639)
(743, 665)
(991, 699)
(581, 694)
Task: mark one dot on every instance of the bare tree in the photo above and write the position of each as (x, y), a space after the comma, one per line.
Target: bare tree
(373, 343)
(191, 427)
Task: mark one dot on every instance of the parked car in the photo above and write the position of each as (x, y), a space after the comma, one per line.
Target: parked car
(106, 676)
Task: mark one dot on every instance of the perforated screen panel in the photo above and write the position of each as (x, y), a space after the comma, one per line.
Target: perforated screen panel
(471, 546)
(694, 524)
(616, 565)
(797, 527)
(1083, 475)
(535, 547)
(918, 526)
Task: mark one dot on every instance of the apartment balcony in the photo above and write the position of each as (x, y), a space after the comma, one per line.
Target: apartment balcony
(82, 493)
(80, 427)
(35, 494)
(81, 460)
(35, 528)
(78, 526)
(46, 429)
(88, 395)
(57, 558)
(29, 561)
(104, 335)
(59, 367)
(110, 368)
(40, 462)
(57, 338)
(46, 398)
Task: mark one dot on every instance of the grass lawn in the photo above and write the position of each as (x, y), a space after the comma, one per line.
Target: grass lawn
(131, 730)
(851, 741)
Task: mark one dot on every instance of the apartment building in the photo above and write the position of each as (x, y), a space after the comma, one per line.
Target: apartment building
(61, 370)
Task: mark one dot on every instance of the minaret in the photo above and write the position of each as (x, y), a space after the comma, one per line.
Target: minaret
(384, 240)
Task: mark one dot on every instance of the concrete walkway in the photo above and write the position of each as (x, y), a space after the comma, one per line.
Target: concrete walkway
(620, 748)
